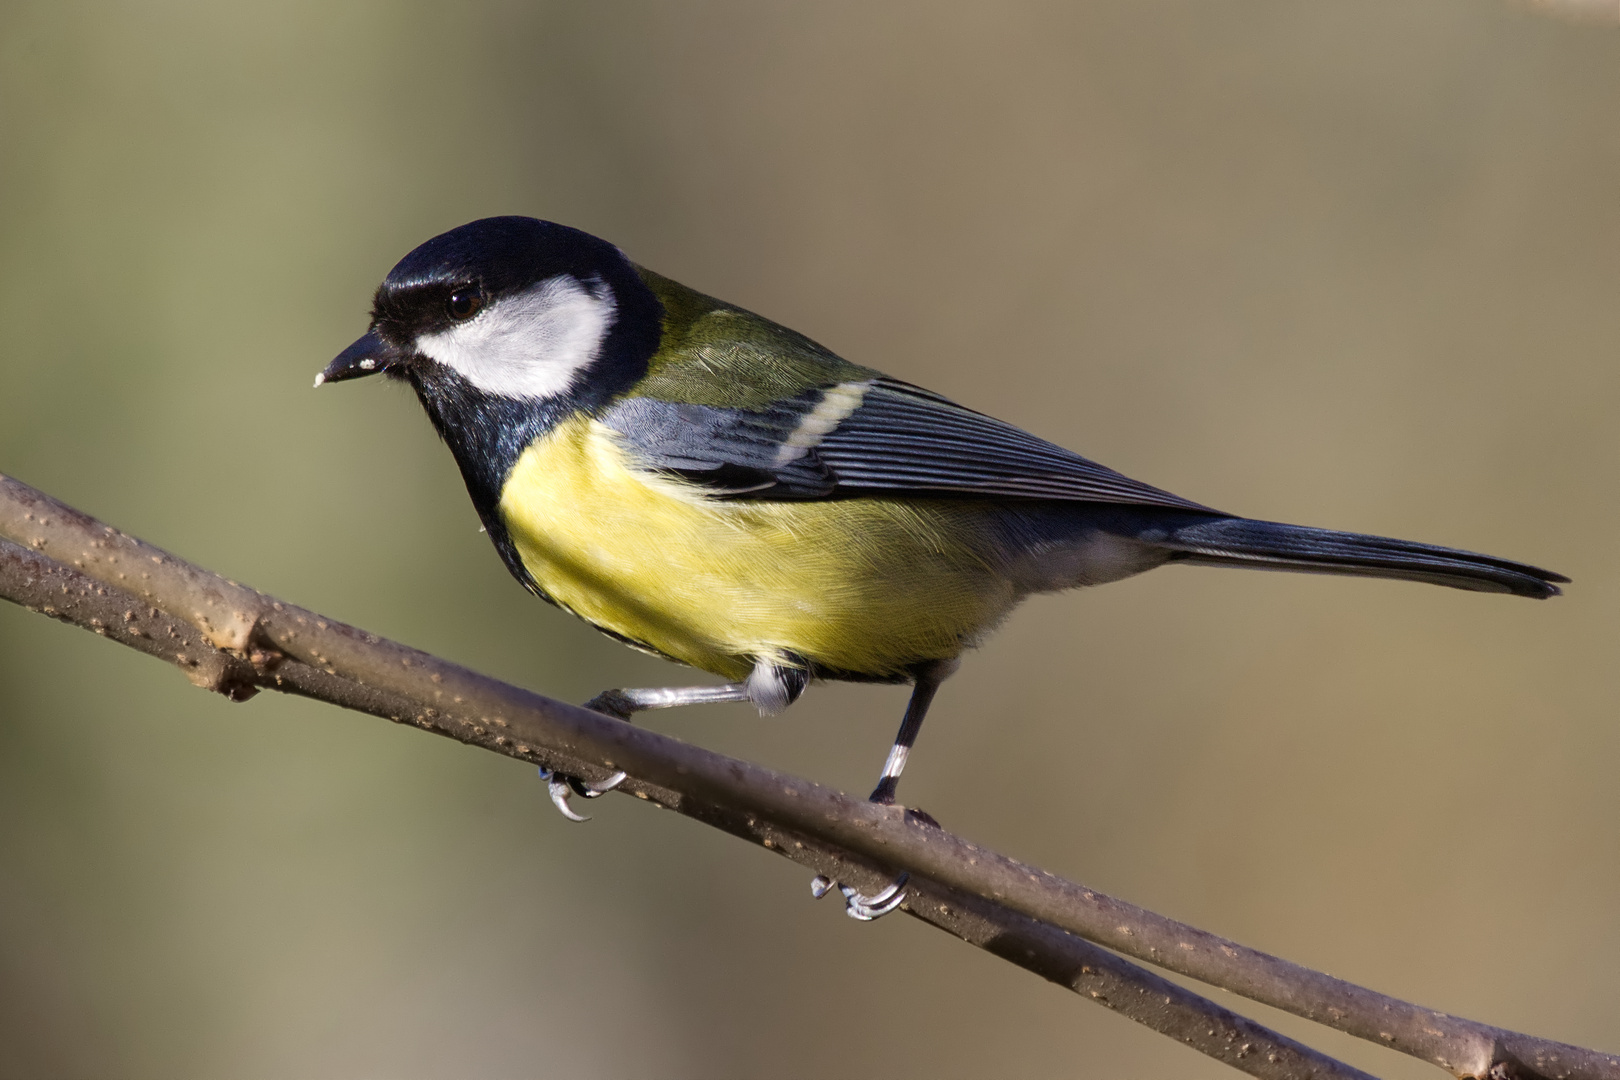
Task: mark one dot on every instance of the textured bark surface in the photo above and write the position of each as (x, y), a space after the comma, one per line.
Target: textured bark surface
(235, 641)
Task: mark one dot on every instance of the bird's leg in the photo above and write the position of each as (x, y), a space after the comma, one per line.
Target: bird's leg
(624, 704)
(621, 705)
(771, 687)
(927, 678)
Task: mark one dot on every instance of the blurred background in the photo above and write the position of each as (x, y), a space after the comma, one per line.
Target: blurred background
(1350, 263)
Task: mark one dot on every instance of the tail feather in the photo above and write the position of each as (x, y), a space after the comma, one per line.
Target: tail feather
(1269, 545)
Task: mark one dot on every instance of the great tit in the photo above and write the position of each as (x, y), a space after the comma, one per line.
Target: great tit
(704, 484)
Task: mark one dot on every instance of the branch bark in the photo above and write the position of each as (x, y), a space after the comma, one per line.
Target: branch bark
(236, 641)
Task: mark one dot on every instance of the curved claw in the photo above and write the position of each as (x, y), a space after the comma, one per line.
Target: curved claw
(588, 790)
(560, 787)
(864, 908)
(867, 908)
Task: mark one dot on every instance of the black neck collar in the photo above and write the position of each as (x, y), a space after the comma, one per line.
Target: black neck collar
(487, 434)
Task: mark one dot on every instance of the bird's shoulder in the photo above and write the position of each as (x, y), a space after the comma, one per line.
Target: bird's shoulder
(743, 407)
(717, 354)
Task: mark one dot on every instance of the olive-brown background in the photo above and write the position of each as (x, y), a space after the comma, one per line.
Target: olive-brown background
(1348, 263)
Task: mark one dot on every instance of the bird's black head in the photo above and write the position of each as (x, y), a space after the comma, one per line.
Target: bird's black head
(506, 326)
(513, 307)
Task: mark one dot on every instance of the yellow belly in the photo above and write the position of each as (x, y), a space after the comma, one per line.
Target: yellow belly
(867, 586)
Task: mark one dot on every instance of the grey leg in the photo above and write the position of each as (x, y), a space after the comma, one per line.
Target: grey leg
(622, 704)
(928, 678)
(866, 908)
(770, 687)
(626, 703)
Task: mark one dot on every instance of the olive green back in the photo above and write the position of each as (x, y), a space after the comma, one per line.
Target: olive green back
(714, 353)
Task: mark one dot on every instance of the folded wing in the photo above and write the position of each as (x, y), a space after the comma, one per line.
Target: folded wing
(864, 437)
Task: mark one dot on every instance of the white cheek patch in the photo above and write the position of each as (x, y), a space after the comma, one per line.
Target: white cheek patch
(532, 345)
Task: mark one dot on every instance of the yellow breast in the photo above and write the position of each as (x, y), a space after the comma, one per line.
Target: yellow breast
(867, 586)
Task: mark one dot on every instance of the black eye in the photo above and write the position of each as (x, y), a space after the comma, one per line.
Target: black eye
(464, 304)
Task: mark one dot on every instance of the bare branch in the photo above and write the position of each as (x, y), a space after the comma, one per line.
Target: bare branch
(44, 585)
(235, 640)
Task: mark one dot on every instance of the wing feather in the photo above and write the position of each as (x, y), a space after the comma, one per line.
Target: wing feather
(906, 438)
(900, 439)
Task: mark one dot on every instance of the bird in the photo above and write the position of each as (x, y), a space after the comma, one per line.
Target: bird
(704, 484)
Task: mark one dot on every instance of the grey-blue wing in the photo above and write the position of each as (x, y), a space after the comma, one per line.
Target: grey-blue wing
(910, 439)
(879, 435)
(883, 436)
(732, 453)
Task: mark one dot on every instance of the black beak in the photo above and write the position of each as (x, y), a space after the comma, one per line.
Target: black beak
(367, 356)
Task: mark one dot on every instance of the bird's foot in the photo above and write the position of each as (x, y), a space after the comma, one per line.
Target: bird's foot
(864, 908)
(561, 786)
(922, 817)
(884, 796)
(614, 703)
(617, 704)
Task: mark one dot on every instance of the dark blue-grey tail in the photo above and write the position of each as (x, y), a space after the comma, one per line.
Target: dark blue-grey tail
(1269, 545)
